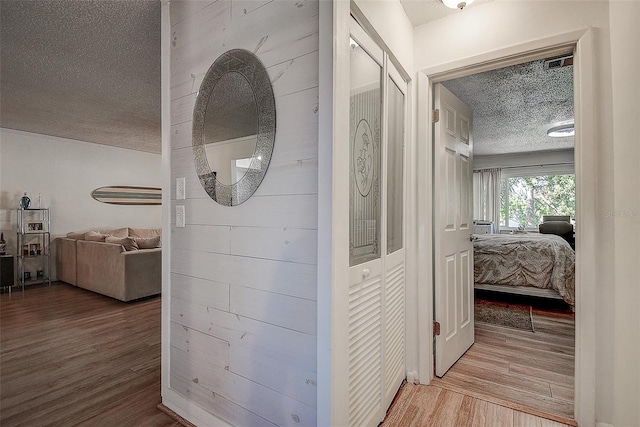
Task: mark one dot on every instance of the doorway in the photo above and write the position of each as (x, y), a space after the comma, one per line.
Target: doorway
(581, 44)
(524, 345)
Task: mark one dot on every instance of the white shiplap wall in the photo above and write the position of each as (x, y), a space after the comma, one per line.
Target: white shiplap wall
(243, 279)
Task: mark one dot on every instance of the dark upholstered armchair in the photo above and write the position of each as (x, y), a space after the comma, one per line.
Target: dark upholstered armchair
(558, 225)
(547, 218)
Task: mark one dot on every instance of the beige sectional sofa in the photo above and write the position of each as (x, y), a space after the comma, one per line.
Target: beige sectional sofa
(125, 263)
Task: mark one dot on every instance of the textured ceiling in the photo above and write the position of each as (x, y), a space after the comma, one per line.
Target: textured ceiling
(90, 71)
(80, 69)
(513, 107)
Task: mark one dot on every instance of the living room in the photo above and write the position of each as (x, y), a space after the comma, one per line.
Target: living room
(77, 115)
(68, 130)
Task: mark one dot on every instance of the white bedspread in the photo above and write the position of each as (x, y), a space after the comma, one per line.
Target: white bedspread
(538, 260)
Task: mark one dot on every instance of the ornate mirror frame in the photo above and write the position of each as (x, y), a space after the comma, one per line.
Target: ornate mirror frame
(249, 66)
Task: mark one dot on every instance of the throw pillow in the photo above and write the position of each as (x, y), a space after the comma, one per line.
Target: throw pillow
(148, 242)
(145, 232)
(75, 236)
(119, 232)
(129, 243)
(94, 236)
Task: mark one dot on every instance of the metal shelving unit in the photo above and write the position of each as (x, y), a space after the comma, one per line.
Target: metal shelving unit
(33, 247)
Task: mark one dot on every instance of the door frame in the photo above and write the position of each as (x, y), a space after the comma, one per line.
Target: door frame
(582, 43)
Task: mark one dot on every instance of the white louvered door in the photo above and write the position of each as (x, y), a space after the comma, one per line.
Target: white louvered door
(394, 283)
(376, 227)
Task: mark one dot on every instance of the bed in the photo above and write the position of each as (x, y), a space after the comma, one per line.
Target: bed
(531, 264)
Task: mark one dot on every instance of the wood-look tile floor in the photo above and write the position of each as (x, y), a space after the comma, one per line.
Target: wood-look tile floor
(70, 357)
(522, 370)
(433, 406)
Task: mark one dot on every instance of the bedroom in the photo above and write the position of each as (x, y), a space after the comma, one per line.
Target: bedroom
(521, 176)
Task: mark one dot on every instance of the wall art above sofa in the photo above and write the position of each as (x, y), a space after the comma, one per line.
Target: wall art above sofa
(128, 195)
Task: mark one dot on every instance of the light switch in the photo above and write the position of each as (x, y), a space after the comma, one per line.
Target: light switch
(180, 216)
(180, 190)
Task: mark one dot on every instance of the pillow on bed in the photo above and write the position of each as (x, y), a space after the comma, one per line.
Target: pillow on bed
(129, 243)
(147, 242)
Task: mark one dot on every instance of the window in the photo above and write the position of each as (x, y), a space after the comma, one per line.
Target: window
(365, 115)
(395, 172)
(525, 199)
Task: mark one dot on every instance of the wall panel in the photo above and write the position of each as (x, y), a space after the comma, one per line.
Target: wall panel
(243, 278)
(281, 310)
(285, 211)
(288, 278)
(222, 407)
(245, 333)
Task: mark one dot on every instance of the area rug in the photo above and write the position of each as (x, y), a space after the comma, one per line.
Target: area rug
(504, 314)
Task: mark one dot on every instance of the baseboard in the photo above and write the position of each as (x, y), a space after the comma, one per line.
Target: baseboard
(174, 416)
(182, 407)
(603, 424)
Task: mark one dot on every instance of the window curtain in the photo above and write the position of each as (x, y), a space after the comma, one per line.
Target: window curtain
(486, 196)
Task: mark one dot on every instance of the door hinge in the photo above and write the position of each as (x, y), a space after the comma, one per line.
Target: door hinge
(436, 116)
(436, 328)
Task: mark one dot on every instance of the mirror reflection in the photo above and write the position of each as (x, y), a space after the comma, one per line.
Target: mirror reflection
(230, 128)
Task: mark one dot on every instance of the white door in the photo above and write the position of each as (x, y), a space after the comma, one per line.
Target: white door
(376, 228)
(394, 284)
(453, 249)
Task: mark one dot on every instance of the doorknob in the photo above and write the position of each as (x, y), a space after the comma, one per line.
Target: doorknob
(472, 237)
(365, 273)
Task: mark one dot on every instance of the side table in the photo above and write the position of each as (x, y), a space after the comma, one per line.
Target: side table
(7, 274)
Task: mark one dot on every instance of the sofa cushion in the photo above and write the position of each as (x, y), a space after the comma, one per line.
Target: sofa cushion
(145, 232)
(95, 236)
(66, 259)
(129, 243)
(147, 242)
(76, 236)
(119, 232)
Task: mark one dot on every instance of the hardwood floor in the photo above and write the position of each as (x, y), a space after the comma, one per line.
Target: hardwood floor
(522, 370)
(70, 357)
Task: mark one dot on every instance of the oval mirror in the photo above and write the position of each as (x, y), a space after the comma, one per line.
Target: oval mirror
(233, 127)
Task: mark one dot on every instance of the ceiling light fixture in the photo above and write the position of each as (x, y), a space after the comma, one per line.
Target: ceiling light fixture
(456, 4)
(560, 131)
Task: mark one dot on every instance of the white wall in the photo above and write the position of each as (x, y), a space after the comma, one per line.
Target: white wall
(222, 155)
(65, 172)
(499, 25)
(242, 331)
(390, 21)
(494, 25)
(624, 19)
